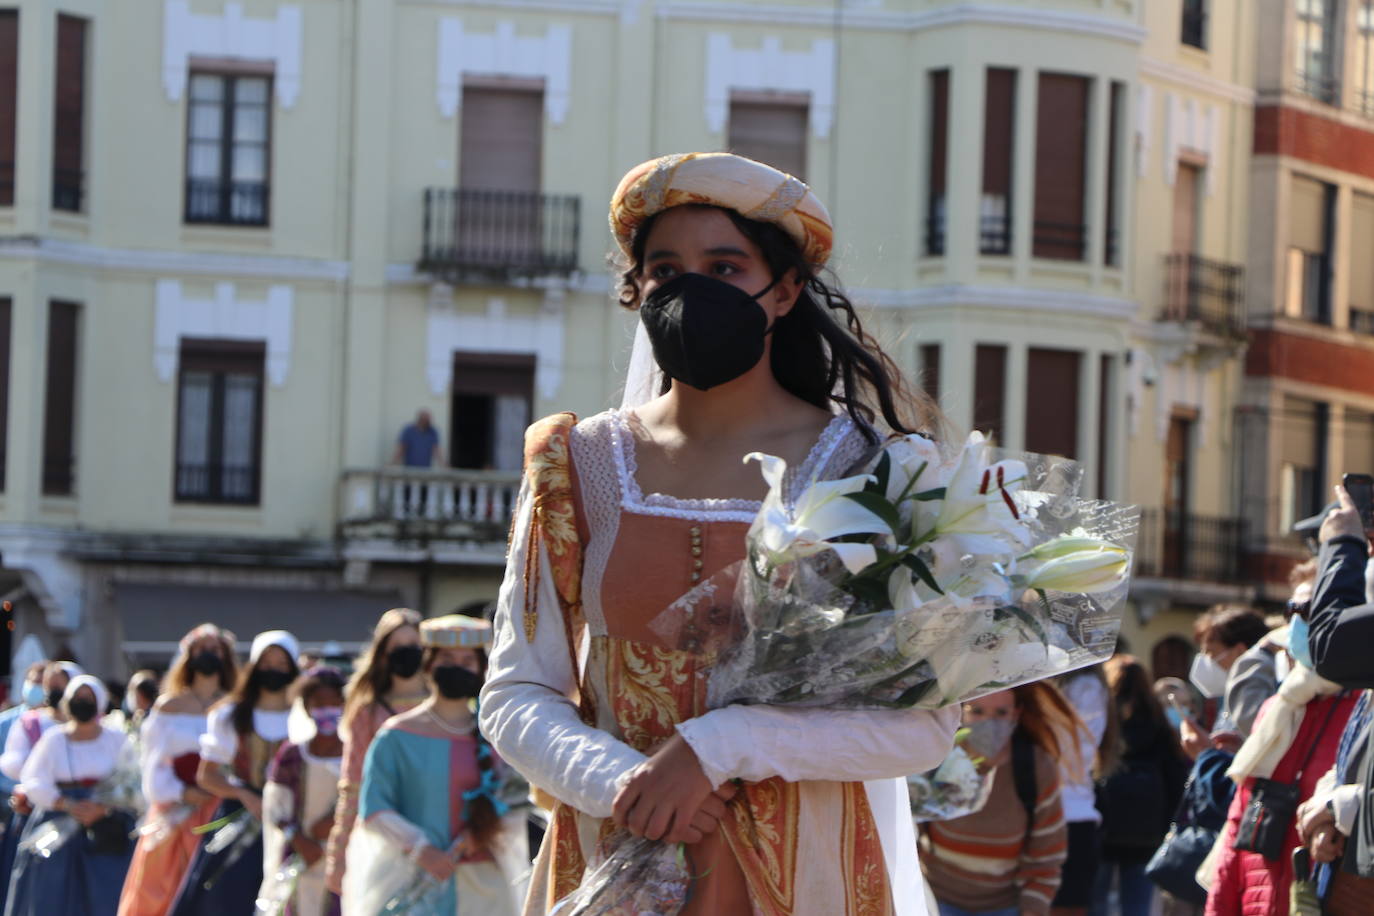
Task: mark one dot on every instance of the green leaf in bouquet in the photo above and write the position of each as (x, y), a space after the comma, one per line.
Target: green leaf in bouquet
(880, 507)
(882, 473)
(926, 496)
(919, 567)
(870, 594)
(1025, 618)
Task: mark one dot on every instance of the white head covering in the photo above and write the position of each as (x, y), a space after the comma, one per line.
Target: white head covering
(72, 669)
(279, 638)
(102, 695)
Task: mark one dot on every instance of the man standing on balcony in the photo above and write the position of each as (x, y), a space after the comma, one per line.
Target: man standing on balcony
(418, 447)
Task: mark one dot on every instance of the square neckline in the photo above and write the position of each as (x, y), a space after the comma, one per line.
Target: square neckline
(634, 499)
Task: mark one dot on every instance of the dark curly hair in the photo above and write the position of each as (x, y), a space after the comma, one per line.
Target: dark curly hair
(820, 343)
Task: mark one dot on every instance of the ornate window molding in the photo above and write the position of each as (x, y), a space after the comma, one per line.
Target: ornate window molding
(232, 36)
(494, 332)
(224, 317)
(503, 53)
(770, 69)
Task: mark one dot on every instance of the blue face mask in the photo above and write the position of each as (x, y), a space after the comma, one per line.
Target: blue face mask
(1174, 716)
(1297, 642)
(33, 694)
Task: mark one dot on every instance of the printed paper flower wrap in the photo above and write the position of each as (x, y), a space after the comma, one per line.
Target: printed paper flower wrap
(928, 579)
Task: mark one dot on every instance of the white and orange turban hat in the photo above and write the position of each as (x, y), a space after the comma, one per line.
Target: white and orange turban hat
(752, 189)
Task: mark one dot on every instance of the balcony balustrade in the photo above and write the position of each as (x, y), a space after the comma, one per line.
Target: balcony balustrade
(472, 234)
(424, 504)
(1177, 545)
(1207, 293)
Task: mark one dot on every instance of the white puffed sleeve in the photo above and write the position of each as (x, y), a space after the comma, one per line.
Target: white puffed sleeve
(39, 777)
(160, 783)
(220, 742)
(17, 750)
(526, 711)
(754, 743)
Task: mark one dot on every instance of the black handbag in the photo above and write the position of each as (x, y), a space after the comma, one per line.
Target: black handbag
(1272, 806)
(1200, 813)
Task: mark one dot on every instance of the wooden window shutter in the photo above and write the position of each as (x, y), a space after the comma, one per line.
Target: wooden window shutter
(59, 400)
(69, 114)
(930, 370)
(938, 164)
(1362, 266)
(4, 385)
(989, 389)
(9, 83)
(1061, 149)
(1052, 383)
(1111, 247)
(771, 132)
(999, 132)
(502, 134)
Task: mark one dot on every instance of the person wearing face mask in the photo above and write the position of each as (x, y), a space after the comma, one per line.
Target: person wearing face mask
(68, 778)
(386, 680)
(1225, 669)
(743, 345)
(299, 799)
(1138, 796)
(243, 732)
(31, 696)
(203, 671)
(1295, 739)
(433, 812)
(1005, 858)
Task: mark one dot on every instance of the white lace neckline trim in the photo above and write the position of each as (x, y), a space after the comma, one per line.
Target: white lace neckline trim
(634, 499)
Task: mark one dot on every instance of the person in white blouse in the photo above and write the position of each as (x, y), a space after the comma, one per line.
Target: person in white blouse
(242, 735)
(201, 674)
(76, 847)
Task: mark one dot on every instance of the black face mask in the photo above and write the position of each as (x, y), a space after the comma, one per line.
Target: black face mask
(704, 331)
(273, 681)
(456, 682)
(55, 697)
(207, 663)
(404, 661)
(82, 710)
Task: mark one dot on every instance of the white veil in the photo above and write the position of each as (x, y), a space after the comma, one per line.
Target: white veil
(643, 378)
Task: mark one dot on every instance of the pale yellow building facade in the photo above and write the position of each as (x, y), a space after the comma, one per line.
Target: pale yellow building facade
(246, 241)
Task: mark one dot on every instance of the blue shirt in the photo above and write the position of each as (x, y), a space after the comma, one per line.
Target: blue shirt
(418, 445)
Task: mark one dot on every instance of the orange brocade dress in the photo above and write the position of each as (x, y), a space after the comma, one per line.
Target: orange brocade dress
(786, 847)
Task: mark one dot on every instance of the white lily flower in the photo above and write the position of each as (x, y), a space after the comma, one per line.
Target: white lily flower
(912, 455)
(820, 515)
(1087, 571)
(992, 659)
(979, 511)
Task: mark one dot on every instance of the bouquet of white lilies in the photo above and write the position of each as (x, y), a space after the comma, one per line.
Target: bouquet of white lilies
(926, 580)
(929, 580)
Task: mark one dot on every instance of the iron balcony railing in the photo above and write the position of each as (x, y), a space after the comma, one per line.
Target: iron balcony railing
(1194, 31)
(235, 484)
(6, 183)
(1210, 293)
(228, 203)
(1321, 86)
(994, 233)
(1177, 545)
(478, 232)
(1059, 241)
(405, 502)
(1361, 321)
(59, 475)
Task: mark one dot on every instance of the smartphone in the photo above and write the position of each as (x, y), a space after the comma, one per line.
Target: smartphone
(1361, 490)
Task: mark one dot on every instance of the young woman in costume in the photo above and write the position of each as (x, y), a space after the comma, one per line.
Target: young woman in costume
(203, 671)
(242, 735)
(301, 793)
(625, 511)
(430, 820)
(387, 680)
(64, 779)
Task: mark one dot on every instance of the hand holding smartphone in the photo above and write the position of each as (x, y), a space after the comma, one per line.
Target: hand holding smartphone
(1361, 490)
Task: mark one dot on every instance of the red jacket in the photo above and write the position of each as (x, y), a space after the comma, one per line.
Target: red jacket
(1246, 883)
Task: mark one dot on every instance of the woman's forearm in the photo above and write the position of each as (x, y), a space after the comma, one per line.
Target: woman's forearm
(212, 779)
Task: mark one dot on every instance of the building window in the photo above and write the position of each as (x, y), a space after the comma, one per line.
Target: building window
(1106, 399)
(1111, 235)
(9, 84)
(493, 399)
(1194, 31)
(1309, 251)
(771, 131)
(59, 400)
(930, 371)
(1052, 386)
(1364, 90)
(999, 133)
(1316, 46)
(939, 151)
(989, 390)
(1061, 159)
(228, 149)
(1361, 266)
(219, 422)
(1303, 427)
(4, 385)
(69, 115)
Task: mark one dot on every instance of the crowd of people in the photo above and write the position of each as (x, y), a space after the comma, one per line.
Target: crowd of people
(268, 787)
